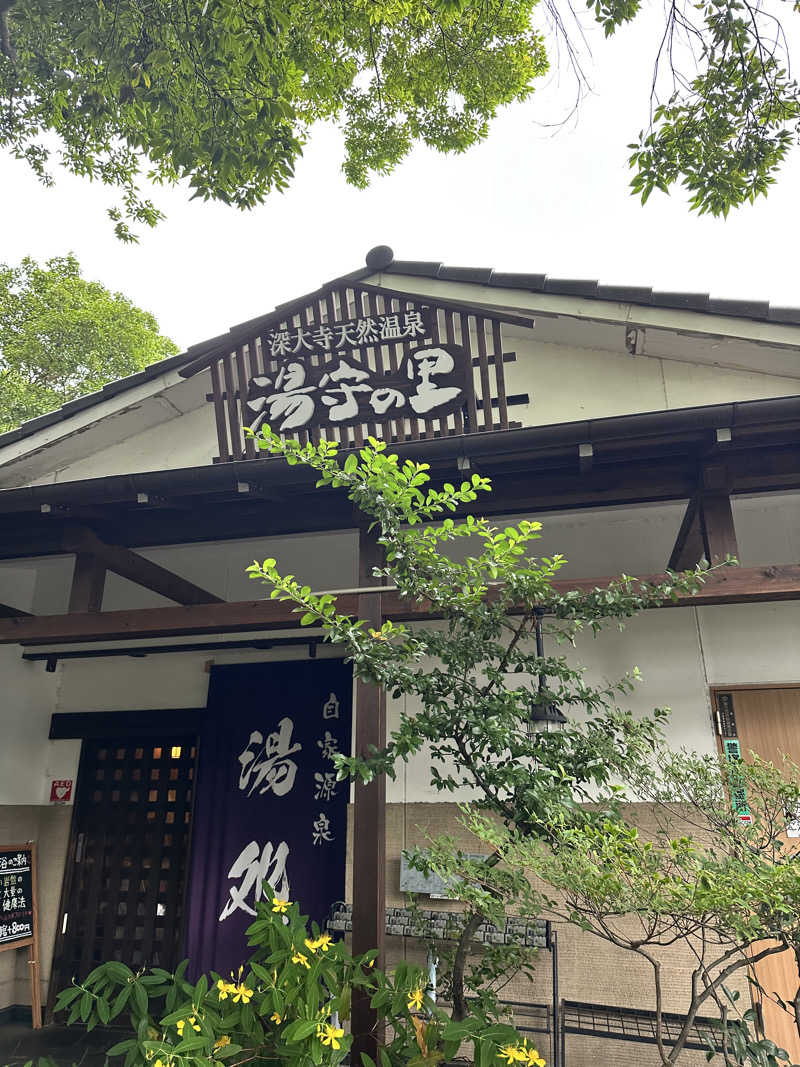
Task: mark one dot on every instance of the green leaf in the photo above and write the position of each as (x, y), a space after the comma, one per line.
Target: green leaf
(140, 998)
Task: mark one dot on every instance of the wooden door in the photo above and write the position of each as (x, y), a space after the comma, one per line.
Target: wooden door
(768, 722)
(123, 898)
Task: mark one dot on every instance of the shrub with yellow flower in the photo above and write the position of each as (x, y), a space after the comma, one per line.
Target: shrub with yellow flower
(291, 1005)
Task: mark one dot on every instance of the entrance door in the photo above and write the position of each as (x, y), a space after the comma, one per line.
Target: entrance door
(768, 722)
(130, 843)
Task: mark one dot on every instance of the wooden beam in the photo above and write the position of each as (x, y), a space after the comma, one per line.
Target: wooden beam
(88, 584)
(733, 585)
(521, 486)
(130, 565)
(689, 547)
(369, 814)
(719, 535)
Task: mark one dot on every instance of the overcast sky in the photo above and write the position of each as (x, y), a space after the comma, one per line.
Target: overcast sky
(528, 199)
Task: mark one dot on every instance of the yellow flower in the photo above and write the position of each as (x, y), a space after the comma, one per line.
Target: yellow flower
(415, 999)
(534, 1059)
(242, 993)
(280, 906)
(377, 635)
(180, 1026)
(329, 1035)
(275, 1018)
(513, 1054)
(222, 1042)
(298, 957)
(323, 942)
(225, 989)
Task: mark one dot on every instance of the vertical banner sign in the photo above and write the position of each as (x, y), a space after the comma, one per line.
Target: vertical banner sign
(18, 912)
(269, 807)
(726, 726)
(733, 755)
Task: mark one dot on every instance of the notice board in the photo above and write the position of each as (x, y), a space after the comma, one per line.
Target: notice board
(19, 913)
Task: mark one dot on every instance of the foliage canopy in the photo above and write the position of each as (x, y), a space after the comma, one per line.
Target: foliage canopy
(62, 336)
(223, 93)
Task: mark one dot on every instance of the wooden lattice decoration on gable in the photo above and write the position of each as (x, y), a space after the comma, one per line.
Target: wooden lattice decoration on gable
(353, 361)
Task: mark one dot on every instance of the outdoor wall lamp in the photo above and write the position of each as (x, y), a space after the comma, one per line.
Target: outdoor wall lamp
(544, 716)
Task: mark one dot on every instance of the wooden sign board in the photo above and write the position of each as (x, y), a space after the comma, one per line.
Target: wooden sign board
(343, 337)
(19, 912)
(431, 381)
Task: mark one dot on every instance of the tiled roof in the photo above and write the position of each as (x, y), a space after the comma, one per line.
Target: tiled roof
(381, 258)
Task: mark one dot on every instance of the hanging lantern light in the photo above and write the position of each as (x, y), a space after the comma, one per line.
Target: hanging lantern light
(544, 715)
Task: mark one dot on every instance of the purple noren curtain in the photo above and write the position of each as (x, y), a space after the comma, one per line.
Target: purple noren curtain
(268, 804)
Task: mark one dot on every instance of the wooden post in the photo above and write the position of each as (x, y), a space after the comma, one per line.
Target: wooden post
(689, 547)
(719, 535)
(369, 815)
(33, 962)
(88, 583)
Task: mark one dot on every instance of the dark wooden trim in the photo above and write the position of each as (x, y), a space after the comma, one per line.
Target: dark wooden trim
(65, 726)
(762, 457)
(136, 568)
(88, 583)
(688, 549)
(219, 413)
(732, 585)
(472, 408)
(7, 612)
(735, 686)
(485, 403)
(499, 357)
(719, 534)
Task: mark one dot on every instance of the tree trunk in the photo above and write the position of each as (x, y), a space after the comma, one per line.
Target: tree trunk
(460, 1007)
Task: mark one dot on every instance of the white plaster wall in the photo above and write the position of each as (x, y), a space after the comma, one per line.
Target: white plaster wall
(323, 560)
(663, 644)
(748, 644)
(28, 700)
(186, 440)
(767, 528)
(566, 383)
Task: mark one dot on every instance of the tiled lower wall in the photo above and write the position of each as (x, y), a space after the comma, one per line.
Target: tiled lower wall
(590, 970)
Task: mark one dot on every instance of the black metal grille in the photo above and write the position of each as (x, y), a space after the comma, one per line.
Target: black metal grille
(635, 1024)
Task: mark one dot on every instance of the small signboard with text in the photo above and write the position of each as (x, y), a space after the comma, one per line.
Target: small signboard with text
(60, 790)
(18, 911)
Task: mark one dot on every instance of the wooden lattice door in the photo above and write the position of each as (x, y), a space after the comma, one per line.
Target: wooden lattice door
(130, 843)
